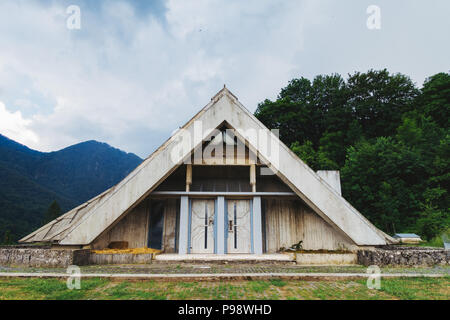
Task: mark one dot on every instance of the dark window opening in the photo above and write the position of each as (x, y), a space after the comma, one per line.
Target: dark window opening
(156, 224)
(175, 182)
(269, 183)
(221, 178)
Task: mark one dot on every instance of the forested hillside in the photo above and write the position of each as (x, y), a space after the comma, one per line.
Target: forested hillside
(389, 138)
(30, 180)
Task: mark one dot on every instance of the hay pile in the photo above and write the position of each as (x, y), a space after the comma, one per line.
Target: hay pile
(132, 251)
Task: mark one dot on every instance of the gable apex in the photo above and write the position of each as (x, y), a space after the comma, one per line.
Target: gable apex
(222, 92)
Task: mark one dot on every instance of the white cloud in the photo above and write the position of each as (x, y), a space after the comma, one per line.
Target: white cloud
(121, 72)
(15, 127)
(130, 79)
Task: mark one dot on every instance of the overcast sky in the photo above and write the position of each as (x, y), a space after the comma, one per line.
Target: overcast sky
(137, 70)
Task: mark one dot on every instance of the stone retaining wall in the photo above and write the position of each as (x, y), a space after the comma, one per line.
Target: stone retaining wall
(35, 257)
(42, 257)
(46, 257)
(403, 256)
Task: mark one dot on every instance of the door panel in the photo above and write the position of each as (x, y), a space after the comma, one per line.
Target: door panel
(156, 224)
(202, 226)
(239, 224)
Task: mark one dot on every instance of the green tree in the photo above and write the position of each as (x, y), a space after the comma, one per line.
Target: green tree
(306, 152)
(390, 140)
(334, 114)
(378, 100)
(304, 109)
(317, 160)
(435, 99)
(419, 132)
(381, 179)
(8, 238)
(53, 212)
(401, 182)
(432, 222)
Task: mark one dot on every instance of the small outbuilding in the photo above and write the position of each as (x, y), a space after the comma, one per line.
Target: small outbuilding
(408, 238)
(221, 184)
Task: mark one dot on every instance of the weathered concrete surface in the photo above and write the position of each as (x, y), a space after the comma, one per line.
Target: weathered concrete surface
(403, 256)
(332, 177)
(326, 258)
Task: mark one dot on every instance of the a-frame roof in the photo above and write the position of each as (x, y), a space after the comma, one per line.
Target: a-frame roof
(85, 223)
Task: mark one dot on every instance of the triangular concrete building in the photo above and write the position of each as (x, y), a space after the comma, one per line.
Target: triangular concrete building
(223, 183)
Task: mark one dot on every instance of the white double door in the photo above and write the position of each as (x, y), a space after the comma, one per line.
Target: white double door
(237, 235)
(239, 226)
(202, 226)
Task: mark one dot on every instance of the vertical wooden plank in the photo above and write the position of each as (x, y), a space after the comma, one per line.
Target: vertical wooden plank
(188, 177)
(272, 226)
(289, 221)
(132, 229)
(253, 177)
(169, 226)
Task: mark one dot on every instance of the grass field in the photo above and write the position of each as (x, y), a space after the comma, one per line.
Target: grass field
(97, 288)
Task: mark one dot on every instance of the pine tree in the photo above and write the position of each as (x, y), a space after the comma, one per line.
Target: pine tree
(53, 212)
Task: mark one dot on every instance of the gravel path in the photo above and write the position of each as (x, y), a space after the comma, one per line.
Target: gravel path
(224, 276)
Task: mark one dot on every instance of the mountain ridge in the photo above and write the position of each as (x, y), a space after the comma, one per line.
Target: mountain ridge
(30, 180)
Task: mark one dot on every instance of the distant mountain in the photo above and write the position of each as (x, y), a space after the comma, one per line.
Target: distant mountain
(30, 180)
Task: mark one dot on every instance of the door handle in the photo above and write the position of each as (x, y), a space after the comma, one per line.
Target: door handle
(230, 225)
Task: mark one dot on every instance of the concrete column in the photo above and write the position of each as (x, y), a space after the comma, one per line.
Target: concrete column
(257, 226)
(220, 236)
(184, 225)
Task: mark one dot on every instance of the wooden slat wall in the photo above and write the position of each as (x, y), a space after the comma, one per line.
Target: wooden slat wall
(289, 221)
(132, 228)
(239, 156)
(170, 218)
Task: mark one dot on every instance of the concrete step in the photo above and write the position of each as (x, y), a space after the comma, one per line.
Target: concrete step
(225, 258)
